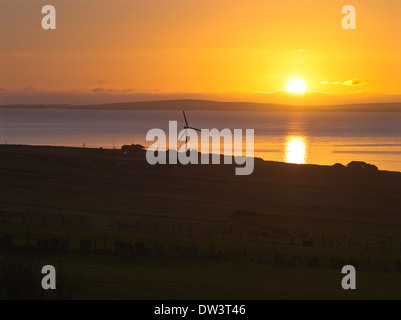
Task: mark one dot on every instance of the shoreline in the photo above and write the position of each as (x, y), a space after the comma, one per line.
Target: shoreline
(257, 160)
(209, 105)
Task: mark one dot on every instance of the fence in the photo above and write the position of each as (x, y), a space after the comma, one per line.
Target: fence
(216, 230)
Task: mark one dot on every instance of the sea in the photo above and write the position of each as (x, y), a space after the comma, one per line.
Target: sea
(322, 138)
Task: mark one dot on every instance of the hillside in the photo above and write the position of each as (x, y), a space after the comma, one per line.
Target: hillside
(207, 105)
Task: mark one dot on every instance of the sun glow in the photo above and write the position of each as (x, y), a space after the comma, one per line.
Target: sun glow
(296, 86)
(295, 149)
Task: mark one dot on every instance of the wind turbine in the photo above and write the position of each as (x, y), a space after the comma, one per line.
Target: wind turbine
(186, 127)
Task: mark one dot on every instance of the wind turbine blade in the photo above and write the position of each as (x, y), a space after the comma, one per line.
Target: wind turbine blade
(186, 141)
(179, 139)
(186, 122)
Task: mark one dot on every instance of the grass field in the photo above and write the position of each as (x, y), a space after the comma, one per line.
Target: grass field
(239, 226)
(110, 277)
(105, 275)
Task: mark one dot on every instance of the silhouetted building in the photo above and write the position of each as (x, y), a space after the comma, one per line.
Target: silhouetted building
(361, 165)
(133, 148)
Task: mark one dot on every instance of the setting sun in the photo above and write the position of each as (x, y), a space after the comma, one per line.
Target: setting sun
(296, 86)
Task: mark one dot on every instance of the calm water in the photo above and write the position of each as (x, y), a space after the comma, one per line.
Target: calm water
(318, 138)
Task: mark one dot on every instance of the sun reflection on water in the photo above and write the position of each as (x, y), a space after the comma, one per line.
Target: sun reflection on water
(295, 149)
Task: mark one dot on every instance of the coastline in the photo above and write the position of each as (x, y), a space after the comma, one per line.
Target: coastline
(208, 105)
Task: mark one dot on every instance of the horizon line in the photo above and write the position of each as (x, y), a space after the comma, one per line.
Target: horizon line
(195, 100)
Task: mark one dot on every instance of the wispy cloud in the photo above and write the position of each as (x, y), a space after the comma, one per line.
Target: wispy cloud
(106, 81)
(275, 91)
(285, 91)
(101, 82)
(112, 90)
(353, 82)
(119, 91)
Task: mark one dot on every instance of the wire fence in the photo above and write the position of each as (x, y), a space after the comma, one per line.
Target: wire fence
(217, 230)
(202, 241)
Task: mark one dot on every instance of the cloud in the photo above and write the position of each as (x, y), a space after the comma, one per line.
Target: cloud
(28, 88)
(105, 81)
(353, 83)
(111, 90)
(120, 91)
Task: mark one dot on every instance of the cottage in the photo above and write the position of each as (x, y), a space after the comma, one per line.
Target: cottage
(132, 149)
(361, 165)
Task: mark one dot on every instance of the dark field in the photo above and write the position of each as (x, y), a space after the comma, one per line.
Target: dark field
(271, 235)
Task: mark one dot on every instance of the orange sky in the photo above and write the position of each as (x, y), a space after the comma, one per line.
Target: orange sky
(125, 50)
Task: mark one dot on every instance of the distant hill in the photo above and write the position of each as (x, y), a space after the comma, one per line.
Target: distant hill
(207, 105)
